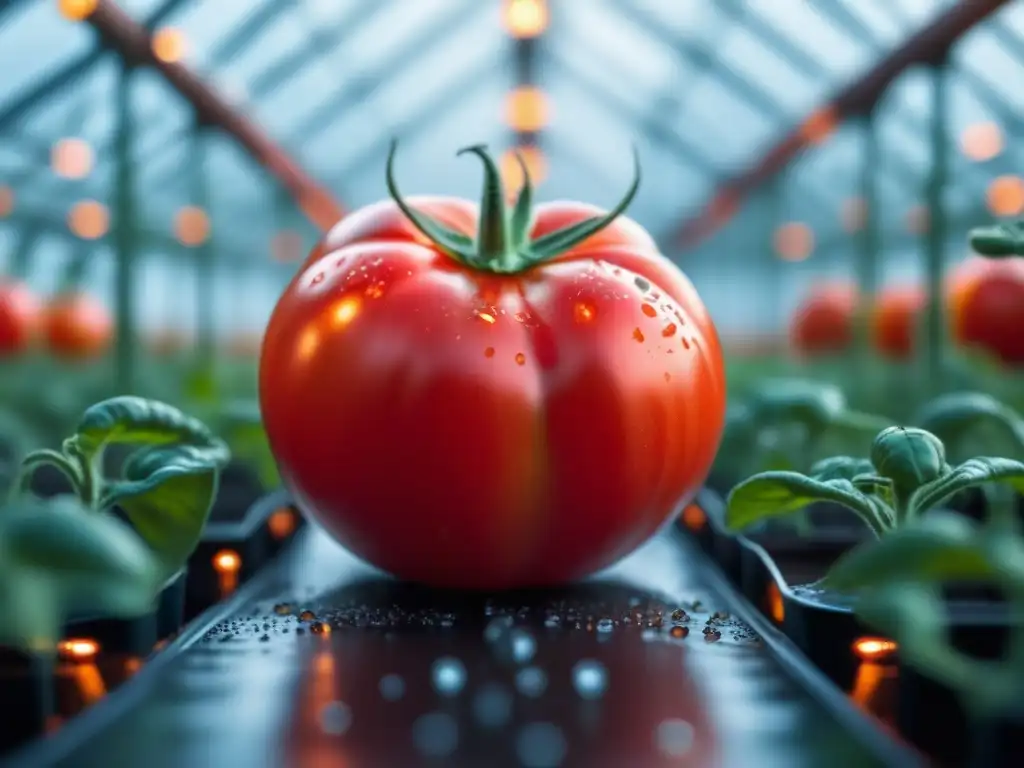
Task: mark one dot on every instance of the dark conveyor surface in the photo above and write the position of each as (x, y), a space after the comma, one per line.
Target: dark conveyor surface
(398, 676)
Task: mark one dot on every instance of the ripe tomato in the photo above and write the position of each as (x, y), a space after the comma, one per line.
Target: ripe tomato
(77, 327)
(20, 313)
(824, 322)
(987, 307)
(894, 320)
(478, 421)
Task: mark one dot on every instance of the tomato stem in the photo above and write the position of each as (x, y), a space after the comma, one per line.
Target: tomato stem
(502, 244)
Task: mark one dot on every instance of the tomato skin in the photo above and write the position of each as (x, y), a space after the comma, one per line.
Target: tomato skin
(464, 429)
(823, 324)
(987, 309)
(20, 313)
(894, 321)
(77, 327)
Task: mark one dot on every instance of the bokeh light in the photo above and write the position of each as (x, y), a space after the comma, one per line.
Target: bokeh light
(89, 219)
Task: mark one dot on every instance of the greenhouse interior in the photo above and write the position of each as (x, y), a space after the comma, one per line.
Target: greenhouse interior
(534, 383)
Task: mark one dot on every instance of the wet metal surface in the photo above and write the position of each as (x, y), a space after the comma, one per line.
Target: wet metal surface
(331, 665)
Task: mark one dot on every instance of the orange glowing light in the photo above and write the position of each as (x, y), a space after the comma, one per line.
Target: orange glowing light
(169, 45)
(227, 563)
(6, 201)
(982, 141)
(871, 685)
(527, 109)
(71, 158)
(191, 226)
(874, 648)
(776, 606)
(78, 649)
(281, 523)
(694, 518)
(77, 10)
(819, 125)
(286, 246)
(1006, 196)
(89, 682)
(512, 173)
(89, 219)
(917, 220)
(854, 214)
(794, 241)
(526, 18)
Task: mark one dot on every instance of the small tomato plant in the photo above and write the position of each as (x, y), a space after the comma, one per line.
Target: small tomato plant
(168, 483)
(906, 476)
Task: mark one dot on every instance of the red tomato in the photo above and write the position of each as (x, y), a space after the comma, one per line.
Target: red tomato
(77, 327)
(823, 323)
(464, 428)
(894, 320)
(987, 308)
(20, 313)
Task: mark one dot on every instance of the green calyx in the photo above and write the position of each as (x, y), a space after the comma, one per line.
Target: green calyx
(999, 241)
(502, 244)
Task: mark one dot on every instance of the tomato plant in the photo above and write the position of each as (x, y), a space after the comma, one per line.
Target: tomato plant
(987, 307)
(824, 321)
(20, 313)
(77, 326)
(894, 320)
(518, 408)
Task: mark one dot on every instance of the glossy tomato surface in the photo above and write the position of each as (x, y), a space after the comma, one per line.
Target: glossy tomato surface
(823, 323)
(466, 429)
(987, 308)
(895, 319)
(20, 313)
(77, 326)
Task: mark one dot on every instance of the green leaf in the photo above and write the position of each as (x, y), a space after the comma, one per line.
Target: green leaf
(910, 457)
(774, 494)
(167, 493)
(56, 557)
(998, 241)
(973, 472)
(131, 419)
(841, 468)
(954, 416)
(939, 548)
(811, 404)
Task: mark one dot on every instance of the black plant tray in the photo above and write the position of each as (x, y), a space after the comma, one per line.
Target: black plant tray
(385, 673)
(927, 713)
(252, 541)
(136, 636)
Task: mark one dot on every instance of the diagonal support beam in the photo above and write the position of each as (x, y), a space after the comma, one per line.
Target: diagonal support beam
(132, 41)
(856, 98)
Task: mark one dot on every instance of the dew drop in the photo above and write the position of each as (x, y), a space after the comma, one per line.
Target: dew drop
(679, 632)
(668, 376)
(449, 676)
(489, 352)
(638, 334)
(375, 291)
(648, 310)
(553, 621)
(520, 358)
(590, 679)
(318, 278)
(686, 342)
(487, 317)
(307, 615)
(605, 625)
(283, 609)
(669, 330)
(583, 312)
(522, 317)
(642, 284)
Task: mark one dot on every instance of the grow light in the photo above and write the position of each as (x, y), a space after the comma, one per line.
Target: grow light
(694, 518)
(874, 648)
(281, 523)
(78, 649)
(227, 563)
(776, 607)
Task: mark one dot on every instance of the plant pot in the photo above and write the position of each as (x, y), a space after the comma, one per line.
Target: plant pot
(232, 552)
(26, 696)
(826, 630)
(135, 636)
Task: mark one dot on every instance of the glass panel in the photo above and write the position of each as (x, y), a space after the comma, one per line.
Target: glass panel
(684, 19)
(886, 29)
(726, 127)
(274, 42)
(983, 56)
(205, 25)
(35, 42)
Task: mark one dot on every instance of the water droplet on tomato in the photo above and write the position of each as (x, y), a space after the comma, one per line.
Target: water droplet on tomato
(669, 330)
(521, 317)
(668, 376)
(686, 342)
(679, 632)
(520, 358)
(638, 334)
(307, 615)
(642, 284)
(648, 310)
(375, 291)
(489, 352)
(487, 317)
(318, 278)
(345, 311)
(583, 312)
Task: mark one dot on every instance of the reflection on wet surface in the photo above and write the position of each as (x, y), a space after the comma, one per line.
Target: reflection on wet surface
(331, 665)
